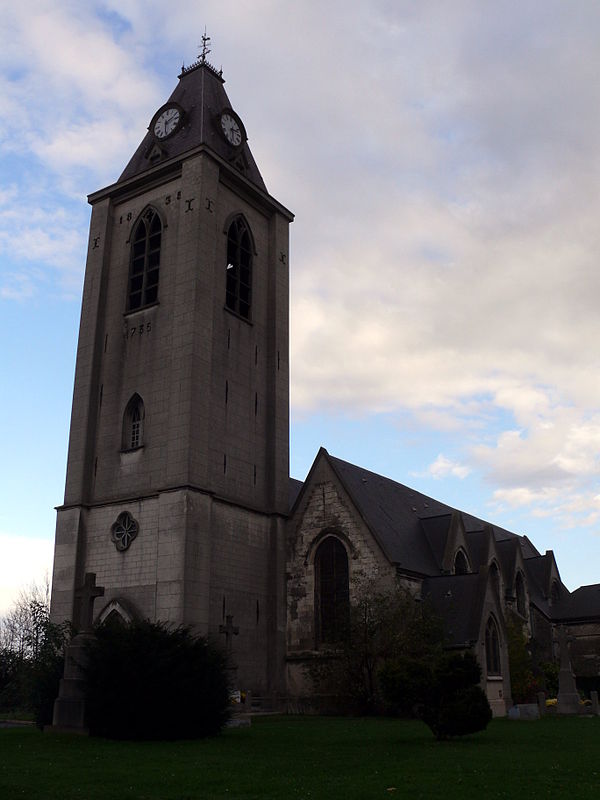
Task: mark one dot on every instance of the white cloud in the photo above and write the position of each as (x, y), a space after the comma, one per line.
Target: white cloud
(23, 561)
(443, 467)
(443, 163)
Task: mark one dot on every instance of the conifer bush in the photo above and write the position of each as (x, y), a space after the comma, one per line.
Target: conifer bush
(149, 681)
(444, 693)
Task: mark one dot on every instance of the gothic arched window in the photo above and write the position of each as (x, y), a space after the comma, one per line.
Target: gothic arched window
(495, 576)
(332, 594)
(239, 268)
(133, 424)
(461, 565)
(520, 592)
(145, 261)
(492, 648)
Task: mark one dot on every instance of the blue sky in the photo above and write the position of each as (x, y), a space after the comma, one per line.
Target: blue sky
(442, 160)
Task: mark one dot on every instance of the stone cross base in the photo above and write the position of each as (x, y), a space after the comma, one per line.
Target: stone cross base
(568, 703)
(69, 706)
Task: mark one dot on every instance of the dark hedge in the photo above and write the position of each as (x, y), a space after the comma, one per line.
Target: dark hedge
(148, 681)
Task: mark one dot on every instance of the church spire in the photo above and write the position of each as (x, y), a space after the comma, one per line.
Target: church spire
(197, 114)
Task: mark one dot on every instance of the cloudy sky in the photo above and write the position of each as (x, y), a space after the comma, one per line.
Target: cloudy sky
(443, 162)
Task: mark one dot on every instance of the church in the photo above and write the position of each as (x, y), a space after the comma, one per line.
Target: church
(178, 495)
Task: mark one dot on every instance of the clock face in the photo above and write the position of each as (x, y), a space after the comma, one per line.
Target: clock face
(231, 129)
(167, 122)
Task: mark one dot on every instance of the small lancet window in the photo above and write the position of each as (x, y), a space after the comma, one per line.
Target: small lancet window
(145, 261)
(495, 576)
(239, 268)
(492, 648)
(133, 424)
(520, 592)
(461, 565)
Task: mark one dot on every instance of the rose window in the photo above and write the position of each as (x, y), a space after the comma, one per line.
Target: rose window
(124, 530)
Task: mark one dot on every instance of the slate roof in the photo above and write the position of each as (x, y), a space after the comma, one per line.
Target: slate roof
(409, 526)
(479, 546)
(294, 488)
(412, 530)
(582, 603)
(537, 579)
(201, 94)
(457, 599)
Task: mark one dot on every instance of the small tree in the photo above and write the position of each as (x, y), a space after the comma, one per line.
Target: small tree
(31, 655)
(383, 626)
(524, 683)
(45, 668)
(444, 693)
(22, 628)
(147, 681)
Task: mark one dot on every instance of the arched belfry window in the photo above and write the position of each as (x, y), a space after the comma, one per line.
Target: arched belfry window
(492, 648)
(133, 424)
(461, 565)
(239, 268)
(520, 592)
(332, 594)
(145, 261)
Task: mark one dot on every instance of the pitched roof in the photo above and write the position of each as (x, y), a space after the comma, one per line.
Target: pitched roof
(458, 600)
(583, 603)
(201, 94)
(409, 526)
(294, 488)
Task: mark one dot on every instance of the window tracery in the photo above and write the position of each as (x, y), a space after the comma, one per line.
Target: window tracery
(332, 591)
(124, 530)
(239, 268)
(492, 648)
(145, 261)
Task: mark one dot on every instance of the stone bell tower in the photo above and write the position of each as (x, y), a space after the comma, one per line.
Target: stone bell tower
(177, 478)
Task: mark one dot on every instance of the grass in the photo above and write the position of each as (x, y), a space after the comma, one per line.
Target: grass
(311, 758)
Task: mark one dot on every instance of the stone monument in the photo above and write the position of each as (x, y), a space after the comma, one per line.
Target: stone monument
(568, 697)
(69, 706)
(241, 706)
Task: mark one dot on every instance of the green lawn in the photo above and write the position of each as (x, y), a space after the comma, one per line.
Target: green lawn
(308, 757)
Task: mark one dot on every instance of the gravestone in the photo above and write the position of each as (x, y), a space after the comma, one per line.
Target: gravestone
(568, 697)
(69, 706)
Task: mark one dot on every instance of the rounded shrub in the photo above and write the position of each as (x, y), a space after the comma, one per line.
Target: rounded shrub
(444, 693)
(146, 680)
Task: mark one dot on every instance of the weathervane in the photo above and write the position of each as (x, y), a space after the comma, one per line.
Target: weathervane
(205, 47)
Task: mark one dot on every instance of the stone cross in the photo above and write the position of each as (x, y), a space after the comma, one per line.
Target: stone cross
(568, 697)
(86, 595)
(563, 644)
(229, 630)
